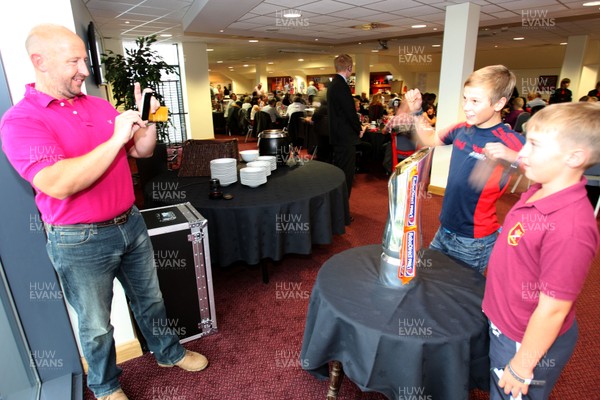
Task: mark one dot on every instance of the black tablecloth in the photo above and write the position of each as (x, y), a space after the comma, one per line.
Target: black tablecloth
(308, 135)
(429, 338)
(377, 141)
(219, 123)
(296, 208)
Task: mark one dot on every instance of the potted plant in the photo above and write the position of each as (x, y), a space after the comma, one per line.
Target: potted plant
(144, 65)
(141, 64)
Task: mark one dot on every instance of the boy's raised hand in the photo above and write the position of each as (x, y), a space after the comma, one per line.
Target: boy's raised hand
(414, 100)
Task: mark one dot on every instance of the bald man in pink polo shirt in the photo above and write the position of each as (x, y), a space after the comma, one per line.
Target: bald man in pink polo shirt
(73, 150)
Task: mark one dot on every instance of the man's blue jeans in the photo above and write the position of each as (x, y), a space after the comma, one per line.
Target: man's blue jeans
(473, 252)
(87, 259)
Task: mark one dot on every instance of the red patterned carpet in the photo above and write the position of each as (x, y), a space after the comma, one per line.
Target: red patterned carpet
(255, 354)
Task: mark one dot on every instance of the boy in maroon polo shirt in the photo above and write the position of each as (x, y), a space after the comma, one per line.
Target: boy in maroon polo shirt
(539, 263)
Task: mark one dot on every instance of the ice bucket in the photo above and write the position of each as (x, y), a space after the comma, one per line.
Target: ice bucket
(274, 142)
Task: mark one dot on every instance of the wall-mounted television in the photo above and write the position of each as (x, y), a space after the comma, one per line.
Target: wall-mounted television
(95, 49)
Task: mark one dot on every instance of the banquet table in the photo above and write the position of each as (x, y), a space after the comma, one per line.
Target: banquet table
(297, 208)
(377, 141)
(427, 338)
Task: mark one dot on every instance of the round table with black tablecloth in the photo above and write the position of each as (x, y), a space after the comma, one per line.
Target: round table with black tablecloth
(377, 141)
(429, 337)
(296, 208)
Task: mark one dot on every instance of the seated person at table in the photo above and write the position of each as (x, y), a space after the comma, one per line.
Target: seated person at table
(469, 224)
(429, 114)
(543, 255)
(271, 109)
(516, 109)
(297, 106)
(402, 121)
(376, 108)
(533, 100)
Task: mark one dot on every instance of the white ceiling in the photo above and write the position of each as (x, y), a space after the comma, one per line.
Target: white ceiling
(328, 27)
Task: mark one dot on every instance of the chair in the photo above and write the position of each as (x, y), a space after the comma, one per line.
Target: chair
(592, 174)
(293, 127)
(521, 119)
(197, 154)
(248, 123)
(262, 121)
(235, 121)
(402, 145)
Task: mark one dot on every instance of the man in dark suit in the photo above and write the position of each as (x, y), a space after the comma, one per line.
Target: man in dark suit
(344, 126)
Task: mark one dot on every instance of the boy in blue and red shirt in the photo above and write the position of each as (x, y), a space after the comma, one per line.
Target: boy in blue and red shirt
(469, 223)
(542, 256)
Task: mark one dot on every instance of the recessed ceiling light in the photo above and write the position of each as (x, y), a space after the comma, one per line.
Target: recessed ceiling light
(127, 22)
(253, 41)
(270, 63)
(374, 51)
(210, 49)
(316, 39)
(165, 35)
(435, 29)
(220, 62)
(518, 38)
(436, 45)
(209, 70)
(221, 31)
(563, 43)
(292, 14)
(591, 3)
(301, 59)
(418, 26)
(246, 65)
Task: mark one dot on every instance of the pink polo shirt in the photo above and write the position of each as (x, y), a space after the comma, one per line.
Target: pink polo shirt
(41, 130)
(546, 246)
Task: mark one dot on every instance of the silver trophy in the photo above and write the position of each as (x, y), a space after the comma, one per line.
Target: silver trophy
(402, 237)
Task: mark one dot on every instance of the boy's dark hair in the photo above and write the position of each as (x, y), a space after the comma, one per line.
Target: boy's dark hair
(498, 79)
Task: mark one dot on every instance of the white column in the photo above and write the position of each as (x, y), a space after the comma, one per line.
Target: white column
(197, 91)
(458, 59)
(363, 74)
(573, 64)
(261, 76)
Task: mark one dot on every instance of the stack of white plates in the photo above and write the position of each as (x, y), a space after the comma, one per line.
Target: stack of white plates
(253, 176)
(261, 164)
(224, 169)
(271, 159)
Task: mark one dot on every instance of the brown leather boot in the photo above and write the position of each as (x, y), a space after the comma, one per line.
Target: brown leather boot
(192, 362)
(116, 395)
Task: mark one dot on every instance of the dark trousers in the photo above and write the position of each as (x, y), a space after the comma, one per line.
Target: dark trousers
(502, 350)
(344, 157)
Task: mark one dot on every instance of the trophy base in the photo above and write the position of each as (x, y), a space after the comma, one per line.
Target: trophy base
(388, 272)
